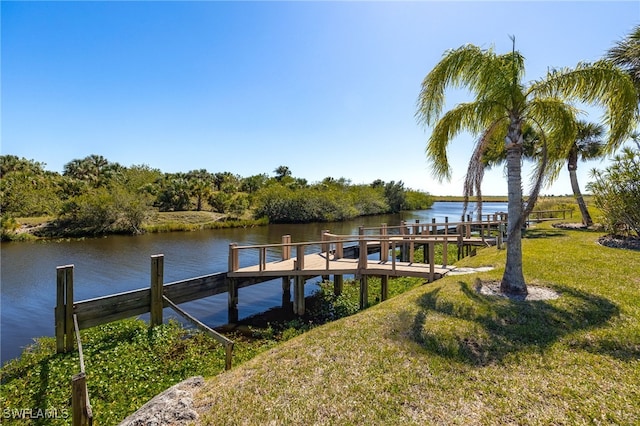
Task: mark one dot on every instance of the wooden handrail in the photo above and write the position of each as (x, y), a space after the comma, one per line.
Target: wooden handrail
(227, 343)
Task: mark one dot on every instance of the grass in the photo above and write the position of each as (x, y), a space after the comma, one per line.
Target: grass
(443, 354)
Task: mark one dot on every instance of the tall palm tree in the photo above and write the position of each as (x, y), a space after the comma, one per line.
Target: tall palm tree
(588, 145)
(504, 105)
(626, 55)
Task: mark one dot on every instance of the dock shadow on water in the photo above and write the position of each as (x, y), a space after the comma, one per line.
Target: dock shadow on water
(458, 322)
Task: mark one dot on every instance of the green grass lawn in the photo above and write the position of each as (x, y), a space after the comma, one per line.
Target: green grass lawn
(443, 354)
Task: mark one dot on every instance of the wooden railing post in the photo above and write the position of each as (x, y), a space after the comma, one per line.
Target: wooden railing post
(234, 263)
(68, 308)
(81, 411)
(431, 262)
(325, 246)
(300, 255)
(384, 243)
(339, 250)
(60, 312)
(157, 281)
(286, 248)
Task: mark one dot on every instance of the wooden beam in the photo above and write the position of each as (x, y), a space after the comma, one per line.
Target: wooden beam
(157, 278)
(68, 308)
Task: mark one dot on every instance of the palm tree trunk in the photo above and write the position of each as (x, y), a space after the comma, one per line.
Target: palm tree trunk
(513, 278)
(572, 165)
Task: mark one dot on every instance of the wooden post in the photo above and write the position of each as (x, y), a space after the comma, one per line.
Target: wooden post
(338, 283)
(233, 257)
(157, 280)
(445, 249)
(300, 256)
(384, 287)
(60, 312)
(393, 258)
(68, 309)
(403, 246)
(460, 241)
(431, 262)
(286, 294)
(81, 411)
(298, 290)
(364, 291)
(384, 243)
(262, 258)
(362, 258)
(326, 248)
(286, 248)
(232, 285)
(298, 295)
(228, 359)
(323, 237)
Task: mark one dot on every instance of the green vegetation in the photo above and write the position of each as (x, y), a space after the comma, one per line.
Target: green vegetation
(434, 353)
(94, 197)
(126, 362)
(617, 192)
(444, 354)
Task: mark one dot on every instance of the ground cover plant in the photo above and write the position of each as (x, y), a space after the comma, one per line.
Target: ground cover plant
(444, 354)
(127, 363)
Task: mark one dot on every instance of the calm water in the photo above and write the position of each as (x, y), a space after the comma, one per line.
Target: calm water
(120, 263)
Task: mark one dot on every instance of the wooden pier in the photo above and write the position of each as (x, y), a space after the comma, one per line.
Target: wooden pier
(332, 255)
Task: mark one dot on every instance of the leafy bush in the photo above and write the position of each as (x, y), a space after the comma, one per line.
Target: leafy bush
(616, 192)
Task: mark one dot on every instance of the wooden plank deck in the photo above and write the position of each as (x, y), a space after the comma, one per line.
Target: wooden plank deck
(316, 264)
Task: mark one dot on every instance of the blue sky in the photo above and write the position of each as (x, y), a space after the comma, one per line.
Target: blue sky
(325, 88)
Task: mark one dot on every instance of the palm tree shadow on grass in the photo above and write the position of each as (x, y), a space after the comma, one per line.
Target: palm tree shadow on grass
(483, 330)
(532, 233)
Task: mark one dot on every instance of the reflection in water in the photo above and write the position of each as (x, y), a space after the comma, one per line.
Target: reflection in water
(114, 264)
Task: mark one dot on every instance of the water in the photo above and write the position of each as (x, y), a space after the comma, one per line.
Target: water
(114, 264)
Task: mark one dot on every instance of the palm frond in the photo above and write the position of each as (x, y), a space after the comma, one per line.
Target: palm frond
(477, 166)
(481, 71)
(598, 83)
(450, 71)
(473, 117)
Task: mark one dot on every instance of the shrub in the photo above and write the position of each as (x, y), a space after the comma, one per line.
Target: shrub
(616, 192)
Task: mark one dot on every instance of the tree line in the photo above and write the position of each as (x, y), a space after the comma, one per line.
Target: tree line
(96, 196)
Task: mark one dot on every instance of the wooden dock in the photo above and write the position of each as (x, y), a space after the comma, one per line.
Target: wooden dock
(317, 265)
(333, 255)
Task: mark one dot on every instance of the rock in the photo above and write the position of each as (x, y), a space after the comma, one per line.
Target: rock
(171, 407)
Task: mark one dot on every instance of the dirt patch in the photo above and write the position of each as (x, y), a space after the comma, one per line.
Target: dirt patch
(492, 288)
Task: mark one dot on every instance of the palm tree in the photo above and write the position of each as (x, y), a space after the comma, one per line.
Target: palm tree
(504, 105)
(626, 55)
(588, 145)
(282, 172)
